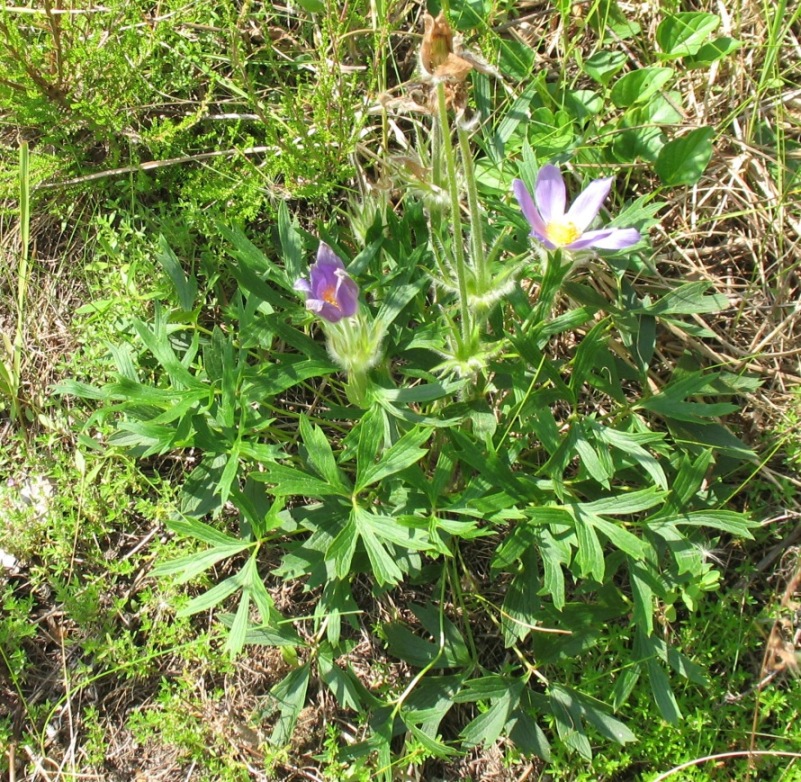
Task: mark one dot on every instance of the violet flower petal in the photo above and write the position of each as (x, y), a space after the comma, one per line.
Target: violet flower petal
(550, 195)
(586, 207)
(530, 212)
(606, 239)
(302, 284)
(347, 294)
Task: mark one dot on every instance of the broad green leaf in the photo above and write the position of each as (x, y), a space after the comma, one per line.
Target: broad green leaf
(276, 378)
(448, 650)
(688, 299)
(620, 537)
(198, 497)
(397, 457)
(391, 307)
(342, 548)
(157, 342)
(341, 683)
(487, 727)
(568, 718)
(649, 650)
(229, 474)
(312, 6)
(212, 597)
(193, 528)
(595, 461)
(290, 694)
(528, 736)
(609, 20)
(630, 444)
(185, 285)
(289, 481)
(643, 597)
(187, 567)
(238, 631)
(152, 438)
(668, 405)
(590, 555)
(683, 160)
(624, 504)
(726, 520)
(405, 531)
(385, 569)
(320, 455)
(603, 65)
(291, 245)
(553, 582)
(640, 86)
(712, 52)
(683, 34)
(521, 605)
(425, 392)
(607, 725)
(662, 692)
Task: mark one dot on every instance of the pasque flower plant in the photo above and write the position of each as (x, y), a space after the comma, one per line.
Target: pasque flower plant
(567, 230)
(353, 339)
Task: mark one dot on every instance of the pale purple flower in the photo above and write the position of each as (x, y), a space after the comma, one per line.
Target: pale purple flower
(558, 229)
(330, 292)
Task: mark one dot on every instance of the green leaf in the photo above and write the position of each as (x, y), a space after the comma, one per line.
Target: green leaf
(590, 555)
(625, 504)
(688, 299)
(596, 462)
(213, 596)
(192, 528)
(528, 736)
(603, 65)
(568, 718)
(620, 537)
(342, 548)
(187, 567)
(320, 455)
(639, 86)
(385, 569)
(399, 456)
(238, 631)
(404, 644)
(341, 683)
(290, 693)
(487, 727)
(712, 52)
(630, 444)
(725, 520)
(643, 597)
(291, 245)
(425, 392)
(683, 160)
(521, 605)
(185, 286)
(289, 481)
(312, 6)
(683, 34)
(276, 378)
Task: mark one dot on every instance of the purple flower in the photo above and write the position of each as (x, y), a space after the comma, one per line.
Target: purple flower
(330, 292)
(556, 228)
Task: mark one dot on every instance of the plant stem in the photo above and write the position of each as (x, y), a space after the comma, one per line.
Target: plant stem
(453, 190)
(476, 230)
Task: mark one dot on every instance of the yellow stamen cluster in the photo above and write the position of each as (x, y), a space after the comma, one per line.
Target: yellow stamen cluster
(561, 234)
(330, 295)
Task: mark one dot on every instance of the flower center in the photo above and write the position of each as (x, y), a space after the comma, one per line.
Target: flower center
(329, 295)
(562, 234)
